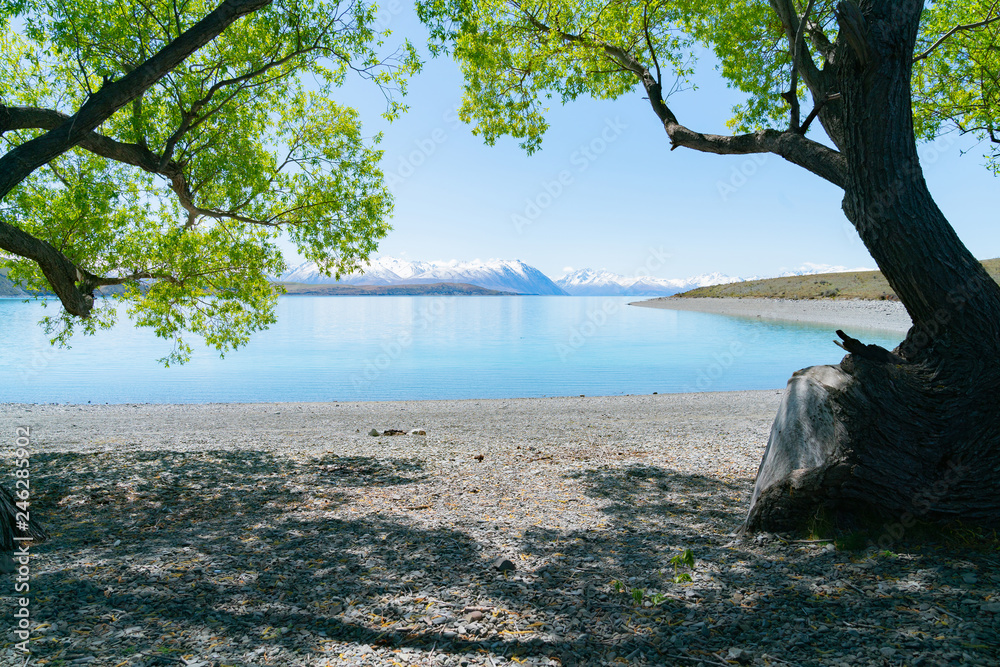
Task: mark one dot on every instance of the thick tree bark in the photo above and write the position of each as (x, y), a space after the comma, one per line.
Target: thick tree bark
(915, 435)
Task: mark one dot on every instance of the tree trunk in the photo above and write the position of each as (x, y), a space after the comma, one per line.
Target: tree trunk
(13, 531)
(916, 435)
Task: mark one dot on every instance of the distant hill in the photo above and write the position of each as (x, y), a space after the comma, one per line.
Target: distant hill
(849, 285)
(7, 286)
(435, 289)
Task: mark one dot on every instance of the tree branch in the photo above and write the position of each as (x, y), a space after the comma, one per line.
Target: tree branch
(821, 82)
(815, 112)
(649, 44)
(957, 28)
(820, 41)
(20, 162)
(137, 155)
(854, 27)
(792, 96)
(792, 146)
(801, 62)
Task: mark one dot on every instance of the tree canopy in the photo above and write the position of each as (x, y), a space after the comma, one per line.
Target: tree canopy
(516, 56)
(192, 168)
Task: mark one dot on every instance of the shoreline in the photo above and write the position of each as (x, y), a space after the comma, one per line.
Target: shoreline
(853, 313)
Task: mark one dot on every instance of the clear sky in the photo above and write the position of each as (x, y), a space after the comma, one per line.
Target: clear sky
(623, 193)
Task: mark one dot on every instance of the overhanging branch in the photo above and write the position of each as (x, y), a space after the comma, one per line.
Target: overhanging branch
(20, 162)
(792, 146)
(956, 29)
(69, 282)
(795, 27)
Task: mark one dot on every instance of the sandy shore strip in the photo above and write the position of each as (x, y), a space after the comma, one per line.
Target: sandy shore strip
(548, 532)
(848, 313)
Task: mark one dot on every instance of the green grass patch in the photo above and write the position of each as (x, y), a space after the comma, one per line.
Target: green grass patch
(870, 285)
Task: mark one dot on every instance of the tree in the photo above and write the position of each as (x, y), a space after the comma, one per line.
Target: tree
(163, 147)
(890, 433)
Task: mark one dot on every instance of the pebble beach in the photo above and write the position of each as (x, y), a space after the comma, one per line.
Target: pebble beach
(551, 531)
(839, 313)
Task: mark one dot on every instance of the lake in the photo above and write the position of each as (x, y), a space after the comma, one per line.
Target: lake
(411, 348)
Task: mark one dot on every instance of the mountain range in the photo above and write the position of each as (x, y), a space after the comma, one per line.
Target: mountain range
(499, 275)
(517, 277)
(588, 282)
(496, 274)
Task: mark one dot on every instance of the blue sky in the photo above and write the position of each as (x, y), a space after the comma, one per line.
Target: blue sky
(608, 192)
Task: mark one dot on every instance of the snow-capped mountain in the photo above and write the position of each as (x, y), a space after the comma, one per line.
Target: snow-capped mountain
(381, 271)
(518, 277)
(497, 274)
(588, 282)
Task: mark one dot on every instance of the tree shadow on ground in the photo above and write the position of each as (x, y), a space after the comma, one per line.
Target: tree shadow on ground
(261, 555)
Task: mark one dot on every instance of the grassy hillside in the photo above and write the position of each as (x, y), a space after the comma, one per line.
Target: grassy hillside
(436, 289)
(851, 285)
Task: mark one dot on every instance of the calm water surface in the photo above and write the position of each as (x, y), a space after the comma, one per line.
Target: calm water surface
(395, 348)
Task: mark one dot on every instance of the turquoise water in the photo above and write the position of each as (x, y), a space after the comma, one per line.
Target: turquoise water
(395, 348)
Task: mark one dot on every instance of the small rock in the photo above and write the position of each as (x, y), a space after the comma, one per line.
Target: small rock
(503, 565)
(474, 616)
(887, 651)
(970, 578)
(418, 431)
(992, 607)
(373, 432)
(739, 655)
(393, 431)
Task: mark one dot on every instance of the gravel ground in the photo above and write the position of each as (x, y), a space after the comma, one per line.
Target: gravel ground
(532, 532)
(847, 313)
